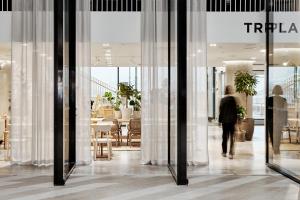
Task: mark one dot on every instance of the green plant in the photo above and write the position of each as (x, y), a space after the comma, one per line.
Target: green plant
(241, 112)
(109, 97)
(125, 91)
(136, 100)
(245, 83)
(117, 104)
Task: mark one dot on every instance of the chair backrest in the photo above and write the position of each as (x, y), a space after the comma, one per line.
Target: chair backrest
(135, 126)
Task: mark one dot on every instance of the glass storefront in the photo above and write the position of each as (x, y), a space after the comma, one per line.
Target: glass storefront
(283, 97)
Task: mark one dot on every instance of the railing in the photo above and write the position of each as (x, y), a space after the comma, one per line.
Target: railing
(251, 5)
(212, 5)
(5, 5)
(116, 5)
(99, 88)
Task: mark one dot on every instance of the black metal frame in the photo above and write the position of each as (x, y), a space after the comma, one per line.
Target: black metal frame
(181, 175)
(269, 57)
(60, 175)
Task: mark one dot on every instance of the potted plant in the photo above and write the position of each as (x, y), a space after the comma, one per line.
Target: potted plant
(241, 113)
(117, 111)
(125, 91)
(109, 97)
(245, 83)
(135, 102)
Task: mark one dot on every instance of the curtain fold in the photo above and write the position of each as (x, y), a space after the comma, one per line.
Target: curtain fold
(197, 117)
(155, 83)
(32, 82)
(83, 82)
(154, 145)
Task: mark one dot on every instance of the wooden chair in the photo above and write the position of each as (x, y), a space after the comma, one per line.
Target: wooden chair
(134, 130)
(116, 131)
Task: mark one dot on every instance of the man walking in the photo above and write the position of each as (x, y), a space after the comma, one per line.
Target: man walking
(228, 118)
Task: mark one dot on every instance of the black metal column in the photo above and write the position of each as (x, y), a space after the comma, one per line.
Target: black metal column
(58, 93)
(182, 92)
(72, 82)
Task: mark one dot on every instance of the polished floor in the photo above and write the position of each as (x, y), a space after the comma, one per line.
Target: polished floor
(245, 177)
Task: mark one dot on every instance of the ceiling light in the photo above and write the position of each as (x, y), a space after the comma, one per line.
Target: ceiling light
(107, 54)
(108, 50)
(212, 45)
(199, 50)
(105, 44)
(253, 58)
(194, 55)
(285, 64)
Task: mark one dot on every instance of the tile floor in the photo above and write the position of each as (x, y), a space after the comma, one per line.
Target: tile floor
(245, 177)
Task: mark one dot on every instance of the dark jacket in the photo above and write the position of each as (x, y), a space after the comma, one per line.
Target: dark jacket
(228, 110)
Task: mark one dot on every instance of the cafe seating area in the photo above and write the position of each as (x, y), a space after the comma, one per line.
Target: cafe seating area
(111, 132)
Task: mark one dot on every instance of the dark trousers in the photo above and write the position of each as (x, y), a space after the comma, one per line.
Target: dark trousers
(228, 132)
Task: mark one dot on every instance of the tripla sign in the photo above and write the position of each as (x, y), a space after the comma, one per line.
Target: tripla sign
(272, 27)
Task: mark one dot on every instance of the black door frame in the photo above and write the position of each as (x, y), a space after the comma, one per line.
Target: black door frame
(269, 61)
(60, 173)
(180, 174)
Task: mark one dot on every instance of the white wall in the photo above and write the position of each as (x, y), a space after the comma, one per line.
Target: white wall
(125, 27)
(118, 27)
(5, 31)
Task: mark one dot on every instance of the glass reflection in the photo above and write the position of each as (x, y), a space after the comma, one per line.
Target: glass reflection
(283, 116)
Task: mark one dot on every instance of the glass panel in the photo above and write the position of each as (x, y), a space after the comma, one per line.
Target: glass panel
(259, 99)
(173, 85)
(284, 100)
(66, 87)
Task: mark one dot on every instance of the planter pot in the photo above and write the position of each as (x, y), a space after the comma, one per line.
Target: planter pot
(118, 114)
(126, 113)
(240, 132)
(136, 114)
(249, 127)
(240, 136)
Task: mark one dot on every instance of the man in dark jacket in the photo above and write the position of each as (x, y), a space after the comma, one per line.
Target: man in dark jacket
(228, 118)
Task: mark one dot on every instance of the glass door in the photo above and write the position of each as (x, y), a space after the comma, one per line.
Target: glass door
(283, 97)
(64, 89)
(177, 71)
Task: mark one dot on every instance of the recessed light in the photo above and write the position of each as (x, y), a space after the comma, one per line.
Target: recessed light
(194, 55)
(285, 63)
(212, 45)
(253, 58)
(107, 54)
(108, 50)
(199, 50)
(105, 44)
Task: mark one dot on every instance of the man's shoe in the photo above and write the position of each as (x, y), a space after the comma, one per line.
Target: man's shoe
(224, 155)
(230, 156)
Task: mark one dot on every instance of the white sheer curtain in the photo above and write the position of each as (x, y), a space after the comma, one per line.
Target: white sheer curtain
(83, 82)
(32, 82)
(197, 147)
(32, 105)
(155, 78)
(154, 82)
